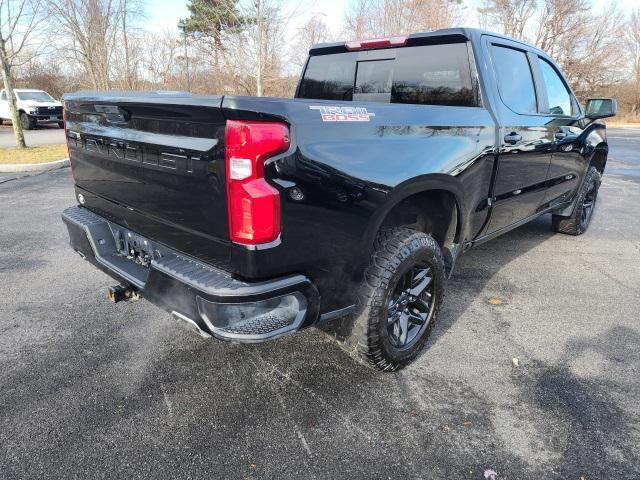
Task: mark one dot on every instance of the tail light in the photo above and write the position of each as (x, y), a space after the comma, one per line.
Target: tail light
(253, 204)
(385, 42)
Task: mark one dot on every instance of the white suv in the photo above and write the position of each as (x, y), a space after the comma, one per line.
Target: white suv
(34, 107)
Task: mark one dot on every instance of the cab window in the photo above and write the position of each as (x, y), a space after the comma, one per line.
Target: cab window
(515, 80)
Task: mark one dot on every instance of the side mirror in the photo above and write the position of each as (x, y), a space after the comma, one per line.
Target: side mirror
(601, 108)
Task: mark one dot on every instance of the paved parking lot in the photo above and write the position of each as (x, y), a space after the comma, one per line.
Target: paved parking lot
(94, 390)
(42, 135)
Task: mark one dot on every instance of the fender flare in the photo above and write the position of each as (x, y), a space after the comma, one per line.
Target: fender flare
(420, 184)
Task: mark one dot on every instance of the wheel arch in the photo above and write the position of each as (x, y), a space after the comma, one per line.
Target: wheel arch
(599, 157)
(433, 204)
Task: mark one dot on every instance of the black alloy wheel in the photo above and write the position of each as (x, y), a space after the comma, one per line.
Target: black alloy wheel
(411, 306)
(578, 221)
(588, 204)
(399, 299)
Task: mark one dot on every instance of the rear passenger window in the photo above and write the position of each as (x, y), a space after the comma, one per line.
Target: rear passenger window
(433, 75)
(515, 80)
(557, 93)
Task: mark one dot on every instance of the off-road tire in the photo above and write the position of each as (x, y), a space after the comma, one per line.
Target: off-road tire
(579, 220)
(395, 251)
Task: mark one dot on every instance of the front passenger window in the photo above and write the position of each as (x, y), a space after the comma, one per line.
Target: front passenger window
(557, 93)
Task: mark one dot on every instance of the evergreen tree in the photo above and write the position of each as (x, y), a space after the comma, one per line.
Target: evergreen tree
(208, 19)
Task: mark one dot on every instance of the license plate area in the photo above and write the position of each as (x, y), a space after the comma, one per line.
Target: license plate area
(134, 247)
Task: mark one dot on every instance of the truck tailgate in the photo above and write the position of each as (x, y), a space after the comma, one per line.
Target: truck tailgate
(154, 163)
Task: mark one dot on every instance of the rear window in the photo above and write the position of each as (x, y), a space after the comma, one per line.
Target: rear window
(373, 81)
(424, 75)
(329, 77)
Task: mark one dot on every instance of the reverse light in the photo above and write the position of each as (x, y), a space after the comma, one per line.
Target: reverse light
(383, 42)
(253, 204)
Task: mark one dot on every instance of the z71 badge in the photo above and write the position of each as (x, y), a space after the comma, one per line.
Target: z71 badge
(343, 114)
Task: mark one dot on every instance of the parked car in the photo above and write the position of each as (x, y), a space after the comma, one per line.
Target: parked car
(35, 107)
(344, 208)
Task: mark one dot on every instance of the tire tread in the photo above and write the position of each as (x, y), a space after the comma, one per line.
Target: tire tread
(390, 248)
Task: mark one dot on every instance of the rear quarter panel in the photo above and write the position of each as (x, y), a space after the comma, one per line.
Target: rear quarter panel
(350, 173)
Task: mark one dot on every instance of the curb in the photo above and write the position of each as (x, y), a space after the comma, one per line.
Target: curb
(33, 167)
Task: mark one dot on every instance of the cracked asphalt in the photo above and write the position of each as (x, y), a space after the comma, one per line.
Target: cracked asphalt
(89, 389)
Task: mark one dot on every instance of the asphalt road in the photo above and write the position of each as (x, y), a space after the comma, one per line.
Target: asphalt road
(94, 390)
(42, 135)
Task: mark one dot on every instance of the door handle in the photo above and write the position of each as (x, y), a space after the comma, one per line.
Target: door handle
(512, 138)
(560, 135)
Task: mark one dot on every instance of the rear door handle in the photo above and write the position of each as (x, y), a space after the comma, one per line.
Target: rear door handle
(512, 138)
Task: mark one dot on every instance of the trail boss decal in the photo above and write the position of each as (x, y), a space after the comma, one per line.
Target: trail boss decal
(343, 114)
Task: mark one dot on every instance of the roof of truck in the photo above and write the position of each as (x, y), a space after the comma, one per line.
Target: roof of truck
(460, 34)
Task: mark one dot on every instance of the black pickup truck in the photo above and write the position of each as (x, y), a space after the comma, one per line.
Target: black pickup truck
(344, 208)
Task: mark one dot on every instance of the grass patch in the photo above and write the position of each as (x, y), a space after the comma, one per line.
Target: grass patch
(38, 154)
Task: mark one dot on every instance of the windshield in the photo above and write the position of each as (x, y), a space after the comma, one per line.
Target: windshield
(35, 96)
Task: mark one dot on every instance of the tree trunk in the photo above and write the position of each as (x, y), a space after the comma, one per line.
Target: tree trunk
(128, 75)
(8, 86)
(259, 33)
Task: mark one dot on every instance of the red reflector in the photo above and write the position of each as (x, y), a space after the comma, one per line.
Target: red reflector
(253, 204)
(385, 42)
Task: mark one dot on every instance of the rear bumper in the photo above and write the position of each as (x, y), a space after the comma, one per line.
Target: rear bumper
(205, 297)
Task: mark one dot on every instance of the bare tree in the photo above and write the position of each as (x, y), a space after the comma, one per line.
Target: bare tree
(583, 39)
(260, 44)
(255, 53)
(633, 45)
(130, 58)
(510, 16)
(96, 35)
(314, 31)
(88, 29)
(584, 42)
(559, 19)
(18, 21)
(373, 18)
(160, 59)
